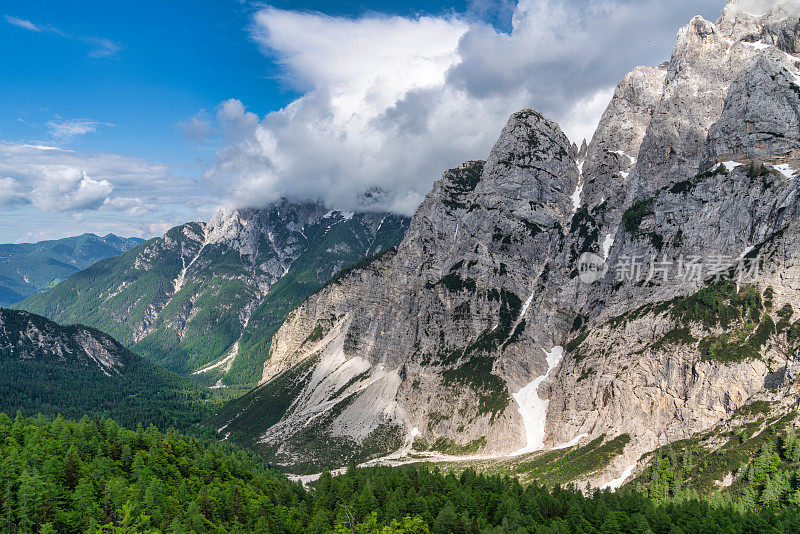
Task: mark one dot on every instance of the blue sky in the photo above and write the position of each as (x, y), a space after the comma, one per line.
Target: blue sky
(174, 59)
(132, 117)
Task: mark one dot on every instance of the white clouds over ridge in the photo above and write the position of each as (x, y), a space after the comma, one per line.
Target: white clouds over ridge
(391, 102)
(103, 190)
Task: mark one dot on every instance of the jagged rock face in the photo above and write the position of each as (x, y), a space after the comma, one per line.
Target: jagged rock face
(486, 281)
(703, 57)
(186, 300)
(614, 149)
(27, 337)
(777, 24)
(446, 315)
(684, 203)
(760, 119)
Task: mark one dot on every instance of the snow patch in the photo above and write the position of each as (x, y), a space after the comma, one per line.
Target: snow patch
(608, 242)
(533, 408)
(525, 306)
(571, 443)
(785, 170)
(346, 215)
(576, 197)
(618, 482)
(730, 165)
(758, 45)
(745, 252)
(621, 153)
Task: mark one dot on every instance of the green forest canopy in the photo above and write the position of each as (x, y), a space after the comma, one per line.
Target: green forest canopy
(95, 476)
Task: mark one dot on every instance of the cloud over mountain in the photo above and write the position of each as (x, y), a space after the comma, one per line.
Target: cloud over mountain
(389, 102)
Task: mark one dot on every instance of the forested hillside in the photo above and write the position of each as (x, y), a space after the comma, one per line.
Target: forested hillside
(94, 476)
(74, 370)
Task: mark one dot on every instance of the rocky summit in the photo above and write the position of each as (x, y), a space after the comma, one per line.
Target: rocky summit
(629, 294)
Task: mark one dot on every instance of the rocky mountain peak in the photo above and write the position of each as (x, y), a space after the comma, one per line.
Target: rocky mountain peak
(532, 160)
(774, 23)
(761, 118)
(482, 330)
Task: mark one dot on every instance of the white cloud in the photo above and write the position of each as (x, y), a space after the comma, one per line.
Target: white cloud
(388, 102)
(101, 47)
(22, 23)
(55, 180)
(11, 193)
(760, 8)
(133, 206)
(197, 128)
(71, 128)
(66, 189)
(93, 192)
(581, 121)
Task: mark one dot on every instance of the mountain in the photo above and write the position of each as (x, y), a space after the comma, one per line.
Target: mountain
(206, 297)
(75, 371)
(30, 268)
(624, 297)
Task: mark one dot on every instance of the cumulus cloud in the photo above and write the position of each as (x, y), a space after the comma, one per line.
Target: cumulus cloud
(388, 103)
(197, 128)
(65, 189)
(11, 193)
(56, 180)
(93, 192)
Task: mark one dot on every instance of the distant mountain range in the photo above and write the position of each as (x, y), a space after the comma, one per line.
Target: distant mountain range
(30, 268)
(205, 298)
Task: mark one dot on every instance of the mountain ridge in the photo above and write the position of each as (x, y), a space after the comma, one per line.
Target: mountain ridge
(46, 368)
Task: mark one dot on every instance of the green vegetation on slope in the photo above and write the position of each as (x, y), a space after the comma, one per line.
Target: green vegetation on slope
(93, 476)
(81, 476)
(726, 323)
(755, 464)
(134, 299)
